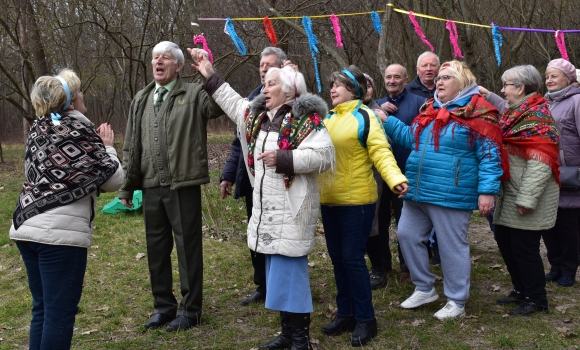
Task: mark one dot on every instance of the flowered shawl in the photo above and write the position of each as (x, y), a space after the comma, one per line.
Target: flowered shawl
(531, 132)
(293, 131)
(63, 163)
(478, 116)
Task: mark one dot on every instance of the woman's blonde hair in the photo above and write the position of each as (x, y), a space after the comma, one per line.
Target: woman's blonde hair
(48, 95)
(460, 71)
(73, 81)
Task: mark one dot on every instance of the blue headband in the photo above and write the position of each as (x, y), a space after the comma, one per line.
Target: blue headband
(351, 76)
(55, 116)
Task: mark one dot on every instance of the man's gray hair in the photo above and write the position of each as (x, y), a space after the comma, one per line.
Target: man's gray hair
(271, 50)
(527, 76)
(425, 54)
(168, 46)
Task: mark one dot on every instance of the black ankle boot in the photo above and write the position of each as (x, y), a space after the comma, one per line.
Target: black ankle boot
(339, 324)
(529, 307)
(363, 332)
(514, 297)
(284, 340)
(301, 331)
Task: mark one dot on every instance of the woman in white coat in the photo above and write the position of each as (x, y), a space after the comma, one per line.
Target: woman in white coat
(286, 146)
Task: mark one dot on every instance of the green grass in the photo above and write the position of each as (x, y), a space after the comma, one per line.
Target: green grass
(117, 301)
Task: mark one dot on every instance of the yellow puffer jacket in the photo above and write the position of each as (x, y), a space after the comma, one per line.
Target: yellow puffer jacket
(353, 183)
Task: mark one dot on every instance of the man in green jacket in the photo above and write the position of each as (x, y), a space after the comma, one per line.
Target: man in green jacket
(165, 155)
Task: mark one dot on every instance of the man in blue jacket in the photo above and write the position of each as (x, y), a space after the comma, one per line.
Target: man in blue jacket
(427, 69)
(235, 172)
(405, 107)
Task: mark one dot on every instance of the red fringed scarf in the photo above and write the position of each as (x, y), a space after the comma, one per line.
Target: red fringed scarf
(531, 132)
(478, 116)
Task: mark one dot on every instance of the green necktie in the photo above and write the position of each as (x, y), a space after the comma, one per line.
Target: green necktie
(157, 104)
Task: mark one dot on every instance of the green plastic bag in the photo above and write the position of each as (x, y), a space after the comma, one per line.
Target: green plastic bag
(115, 206)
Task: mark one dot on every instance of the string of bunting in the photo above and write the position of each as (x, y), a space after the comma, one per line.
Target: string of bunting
(200, 39)
(231, 31)
(454, 38)
(561, 43)
(497, 43)
(313, 40)
(419, 31)
(336, 27)
(376, 22)
(269, 29)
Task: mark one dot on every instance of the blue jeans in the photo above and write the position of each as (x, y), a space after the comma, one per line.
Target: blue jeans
(55, 277)
(347, 229)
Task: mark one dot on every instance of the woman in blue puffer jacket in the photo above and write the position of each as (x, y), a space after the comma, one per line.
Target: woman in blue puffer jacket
(454, 168)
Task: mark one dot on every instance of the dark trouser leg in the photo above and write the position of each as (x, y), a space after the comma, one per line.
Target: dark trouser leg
(347, 229)
(562, 242)
(384, 224)
(159, 237)
(259, 264)
(184, 212)
(258, 259)
(56, 275)
(567, 230)
(521, 252)
(397, 209)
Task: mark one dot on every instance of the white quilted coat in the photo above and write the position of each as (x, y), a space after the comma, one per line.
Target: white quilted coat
(283, 221)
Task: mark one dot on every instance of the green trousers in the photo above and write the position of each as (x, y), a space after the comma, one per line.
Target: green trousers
(174, 215)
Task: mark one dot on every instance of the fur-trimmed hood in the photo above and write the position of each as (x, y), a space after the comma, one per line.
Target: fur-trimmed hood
(305, 104)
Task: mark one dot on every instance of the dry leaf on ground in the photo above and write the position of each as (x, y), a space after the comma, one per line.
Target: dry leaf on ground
(140, 256)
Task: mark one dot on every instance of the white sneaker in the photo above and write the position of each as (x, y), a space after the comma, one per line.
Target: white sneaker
(419, 298)
(450, 311)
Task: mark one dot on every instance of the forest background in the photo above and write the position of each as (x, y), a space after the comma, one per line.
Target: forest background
(109, 42)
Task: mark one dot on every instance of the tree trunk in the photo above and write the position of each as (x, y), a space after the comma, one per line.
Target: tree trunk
(382, 59)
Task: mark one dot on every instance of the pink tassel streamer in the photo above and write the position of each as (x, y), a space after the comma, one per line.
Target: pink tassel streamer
(200, 39)
(454, 38)
(419, 31)
(336, 27)
(561, 43)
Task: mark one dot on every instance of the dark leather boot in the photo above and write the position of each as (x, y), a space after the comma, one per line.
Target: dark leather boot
(284, 340)
(363, 332)
(339, 324)
(301, 331)
(529, 307)
(514, 297)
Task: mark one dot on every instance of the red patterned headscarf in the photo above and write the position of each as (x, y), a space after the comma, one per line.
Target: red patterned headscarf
(531, 132)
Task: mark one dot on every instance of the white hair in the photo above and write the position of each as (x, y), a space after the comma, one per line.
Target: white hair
(293, 82)
(425, 54)
(168, 46)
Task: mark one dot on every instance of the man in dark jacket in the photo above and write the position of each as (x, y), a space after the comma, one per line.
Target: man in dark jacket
(165, 155)
(427, 70)
(235, 172)
(405, 107)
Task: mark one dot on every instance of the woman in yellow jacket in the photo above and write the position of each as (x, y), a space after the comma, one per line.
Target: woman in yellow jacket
(348, 201)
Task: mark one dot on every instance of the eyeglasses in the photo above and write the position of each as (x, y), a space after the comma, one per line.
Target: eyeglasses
(506, 84)
(443, 77)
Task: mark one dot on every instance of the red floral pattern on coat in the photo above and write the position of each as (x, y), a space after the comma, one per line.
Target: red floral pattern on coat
(293, 131)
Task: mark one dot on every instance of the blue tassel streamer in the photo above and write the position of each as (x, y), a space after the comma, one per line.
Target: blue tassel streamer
(497, 43)
(376, 22)
(312, 42)
(234, 36)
